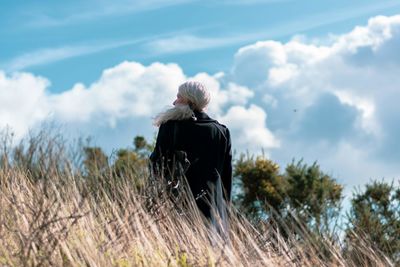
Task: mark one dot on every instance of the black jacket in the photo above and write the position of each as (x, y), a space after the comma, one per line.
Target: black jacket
(208, 147)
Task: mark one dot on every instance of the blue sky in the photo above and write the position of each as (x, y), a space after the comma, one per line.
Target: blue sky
(81, 38)
(296, 79)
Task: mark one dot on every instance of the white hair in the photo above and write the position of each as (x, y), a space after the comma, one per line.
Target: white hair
(196, 93)
(198, 98)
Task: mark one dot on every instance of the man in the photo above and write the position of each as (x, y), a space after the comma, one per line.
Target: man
(207, 143)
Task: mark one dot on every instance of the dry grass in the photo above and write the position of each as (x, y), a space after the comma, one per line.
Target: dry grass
(55, 224)
(62, 220)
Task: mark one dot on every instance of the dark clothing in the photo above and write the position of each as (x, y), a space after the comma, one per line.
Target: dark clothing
(208, 147)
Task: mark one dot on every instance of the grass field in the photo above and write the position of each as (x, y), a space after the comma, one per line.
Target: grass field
(60, 223)
(52, 216)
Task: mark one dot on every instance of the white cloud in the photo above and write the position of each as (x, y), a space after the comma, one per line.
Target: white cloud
(239, 94)
(366, 106)
(350, 67)
(129, 90)
(23, 101)
(221, 97)
(126, 90)
(333, 100)
(249, 130)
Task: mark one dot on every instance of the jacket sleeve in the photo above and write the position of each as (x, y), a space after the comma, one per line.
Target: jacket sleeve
(227, 167)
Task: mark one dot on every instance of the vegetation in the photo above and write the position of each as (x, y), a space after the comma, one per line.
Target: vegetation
(76, 206)
(375, 217)
(302, 192)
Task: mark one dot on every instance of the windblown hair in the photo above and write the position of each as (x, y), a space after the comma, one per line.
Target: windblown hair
(198, 98)
(179, 112)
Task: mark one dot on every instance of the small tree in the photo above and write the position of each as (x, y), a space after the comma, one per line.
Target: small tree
(304, 192)
(128, 162)
(133, 163)
(375, 217)
(142, 147)
(314, 196)
(263, 187)
(95, 161)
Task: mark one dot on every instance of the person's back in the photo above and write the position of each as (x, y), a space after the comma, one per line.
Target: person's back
(208, 147)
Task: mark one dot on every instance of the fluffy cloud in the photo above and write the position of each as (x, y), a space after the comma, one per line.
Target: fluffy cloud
(359, 68)
(23, 101)
(331, 97)
(221, 97)
(248, 127)
(133, 90)
(128, 91)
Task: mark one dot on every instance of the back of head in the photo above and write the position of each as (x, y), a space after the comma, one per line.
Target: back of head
(196, 93)
(197, 97)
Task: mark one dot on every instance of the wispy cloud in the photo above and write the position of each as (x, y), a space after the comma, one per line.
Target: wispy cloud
(343, 14)
(53, 54)
(249, 2)
(185, 41)
(50, 55)
(124, 7)
(103, 9)
(189, 43)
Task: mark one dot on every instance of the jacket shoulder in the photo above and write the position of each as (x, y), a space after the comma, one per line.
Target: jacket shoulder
(223, 129)
(223, 126)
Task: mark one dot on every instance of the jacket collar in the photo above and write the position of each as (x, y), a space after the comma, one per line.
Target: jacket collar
(203, 117)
